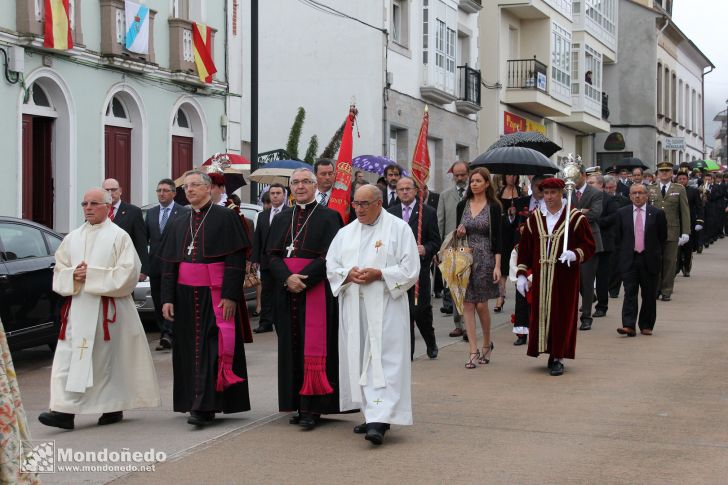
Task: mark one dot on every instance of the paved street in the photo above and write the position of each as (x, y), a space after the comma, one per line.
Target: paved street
(639, 410)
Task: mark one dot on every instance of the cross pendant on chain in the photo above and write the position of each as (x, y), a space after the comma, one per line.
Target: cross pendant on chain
(290, 249)
(190, 248)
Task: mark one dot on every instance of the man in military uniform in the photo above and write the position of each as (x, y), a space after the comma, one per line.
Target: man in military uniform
(685, 256)
(672, 199)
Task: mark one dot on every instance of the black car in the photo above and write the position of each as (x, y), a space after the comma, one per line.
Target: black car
(29, 308)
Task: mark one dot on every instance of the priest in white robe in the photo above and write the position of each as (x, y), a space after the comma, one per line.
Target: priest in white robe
(371, 264)
(102, 362)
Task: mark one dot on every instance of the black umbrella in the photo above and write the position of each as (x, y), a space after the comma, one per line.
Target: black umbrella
(631, 162)
(528, 139)
(515, 161)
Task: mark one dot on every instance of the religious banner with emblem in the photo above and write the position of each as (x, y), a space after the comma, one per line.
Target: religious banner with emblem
(57, 32)
(341, 193)
(137, 27)
(202, 51)
(421, 173)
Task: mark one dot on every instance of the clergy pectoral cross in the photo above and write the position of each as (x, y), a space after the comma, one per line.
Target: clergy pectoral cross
(377, 401)
(83, 347)
(190, 248)
(289, 249)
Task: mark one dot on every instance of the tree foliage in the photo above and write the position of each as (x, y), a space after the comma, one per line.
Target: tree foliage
(334, 144)
(295, 135)
(310, 157)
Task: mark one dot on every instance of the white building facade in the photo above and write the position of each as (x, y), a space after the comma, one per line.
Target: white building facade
(392, 57)
(72, 118)
(543, 62)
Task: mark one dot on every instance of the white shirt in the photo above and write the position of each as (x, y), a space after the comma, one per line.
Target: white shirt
(274, 211)
(551, 219)
(667, 187)
(389, 194)
(161, 212)
(411, 208)
(116, 207)
(328, 196)
(644, 216)
(581, 190)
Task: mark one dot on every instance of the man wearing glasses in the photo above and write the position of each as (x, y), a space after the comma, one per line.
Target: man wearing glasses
(128, 217)
(158, 219)
(203, 269)
(306, 311)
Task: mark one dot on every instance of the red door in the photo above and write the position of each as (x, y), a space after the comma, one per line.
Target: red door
(181, 155)
(118, 157)
(38, 186)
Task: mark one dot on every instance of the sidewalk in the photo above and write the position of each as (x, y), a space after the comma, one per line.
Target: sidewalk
(627, 410)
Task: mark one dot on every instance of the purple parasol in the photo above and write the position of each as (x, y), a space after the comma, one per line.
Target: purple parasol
(373, 164)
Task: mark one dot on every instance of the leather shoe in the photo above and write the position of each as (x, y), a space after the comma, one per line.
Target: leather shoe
(550, 363)
(665, 298)
(628, 331)
(295, 419)
(686, 274)
(263, 329)
(57, 420)
(110, 418)
(557, 368)
(585, 326)
(599, 313)
(446, 310)
(613, 295)
(200, 418)
(374, 437)
(521, 340)
(457, 332)
(308, 421)
(646, 331)
(360, 428)
(432, 352)
(164, 344)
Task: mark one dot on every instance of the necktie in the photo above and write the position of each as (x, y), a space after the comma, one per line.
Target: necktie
(273, 214)
(111, 213)
(406, 213)
(322, 198)
(392, 196)
(664, 189)
(461, 191)
(165, 217)
(639, 232)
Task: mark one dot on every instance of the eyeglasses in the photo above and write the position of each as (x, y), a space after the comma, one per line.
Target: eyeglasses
(364, 204)
(164, 191)
(193, 185)
(113, 189)
(92, 203)
(405, 189)
(295, 183)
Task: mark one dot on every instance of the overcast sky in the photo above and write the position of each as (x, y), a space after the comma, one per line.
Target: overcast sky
(706, 23)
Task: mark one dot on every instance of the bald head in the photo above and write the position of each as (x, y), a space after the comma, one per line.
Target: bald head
(367, 203)
(112, 186)
(96, 205)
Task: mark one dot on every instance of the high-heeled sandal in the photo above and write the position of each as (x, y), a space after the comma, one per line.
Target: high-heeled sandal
(474, 356)
(498, 308)
(485, 356)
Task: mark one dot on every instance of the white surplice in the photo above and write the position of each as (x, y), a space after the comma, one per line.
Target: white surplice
(375, 372)
(90, 374)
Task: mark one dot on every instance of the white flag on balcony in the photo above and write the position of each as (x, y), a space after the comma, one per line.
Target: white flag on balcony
(137, 28)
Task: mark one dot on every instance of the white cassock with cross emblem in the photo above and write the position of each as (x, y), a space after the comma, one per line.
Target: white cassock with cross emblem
(92, 373)
(375, 373)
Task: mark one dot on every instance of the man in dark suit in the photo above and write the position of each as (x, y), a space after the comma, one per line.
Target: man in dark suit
(589, 201)
(158, 219)
(409, 210)
(695, 202)
(261, 260)
(641, 230)
(392, 173)
(615, 277)
(606, 222)
(623, 183)
(129, 217)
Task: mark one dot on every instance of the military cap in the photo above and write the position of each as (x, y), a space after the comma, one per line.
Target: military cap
(664, 166)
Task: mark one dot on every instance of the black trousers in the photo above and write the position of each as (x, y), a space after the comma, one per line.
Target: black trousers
(522, 311)
(639, 279)
(604, 273)
(267, 298)
(615, 277)
(421, 315)
(685, 257)
(587, 272)
(165, 326)
(437, 283)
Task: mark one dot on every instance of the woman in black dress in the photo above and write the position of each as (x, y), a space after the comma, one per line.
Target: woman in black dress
(507, 195)
(478, 218)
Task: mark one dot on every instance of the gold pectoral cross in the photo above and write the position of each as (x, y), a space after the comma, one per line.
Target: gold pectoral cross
(83, 347)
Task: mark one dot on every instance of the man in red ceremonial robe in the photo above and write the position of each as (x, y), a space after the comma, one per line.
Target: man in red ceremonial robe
(555, 298)
(306, 311)
(202, 284)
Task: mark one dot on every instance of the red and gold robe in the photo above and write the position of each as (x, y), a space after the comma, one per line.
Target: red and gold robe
(552, 324)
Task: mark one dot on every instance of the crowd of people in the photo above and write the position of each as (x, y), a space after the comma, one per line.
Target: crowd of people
(332, 289)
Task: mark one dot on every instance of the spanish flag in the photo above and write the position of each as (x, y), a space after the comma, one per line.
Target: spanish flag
(202, 50)
(57, 25)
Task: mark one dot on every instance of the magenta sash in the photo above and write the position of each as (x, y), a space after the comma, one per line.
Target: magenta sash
(211, 275)
(315, 381)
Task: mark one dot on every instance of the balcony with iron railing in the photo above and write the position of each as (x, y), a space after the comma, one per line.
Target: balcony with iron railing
(528, 87)
(468, 101)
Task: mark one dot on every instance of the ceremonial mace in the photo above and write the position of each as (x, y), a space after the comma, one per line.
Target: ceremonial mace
(571, 173)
